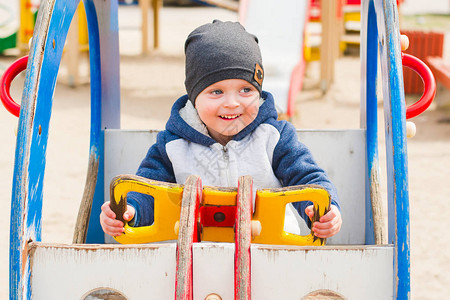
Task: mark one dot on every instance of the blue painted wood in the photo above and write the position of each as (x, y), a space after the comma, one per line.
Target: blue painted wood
(96, 139)
(26, 205)
(396, 152)
(369, 44)
(102, 17)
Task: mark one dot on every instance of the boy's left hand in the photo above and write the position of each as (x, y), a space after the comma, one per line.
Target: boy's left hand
(328, 225)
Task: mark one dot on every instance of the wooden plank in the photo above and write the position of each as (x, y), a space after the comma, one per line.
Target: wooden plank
(376, 230)
(369, 276)
(396, 146)
(292, 272)
(71, 271)
(84, 213)
(188, 234)
(103, 28)
(243, 239)
(150, 270)
(214, 269)
(344, 162)
(126, 150)
(26, 204)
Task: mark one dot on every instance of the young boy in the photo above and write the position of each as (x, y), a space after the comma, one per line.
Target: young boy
(225, 127)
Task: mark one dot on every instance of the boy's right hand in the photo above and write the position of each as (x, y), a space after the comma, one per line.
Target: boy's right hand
(108, 220)
(328, 225)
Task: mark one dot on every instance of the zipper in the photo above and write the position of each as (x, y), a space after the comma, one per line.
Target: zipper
(226, 158)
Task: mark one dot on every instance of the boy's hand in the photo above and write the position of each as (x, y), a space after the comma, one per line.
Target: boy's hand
(108, 220)
(328, 225)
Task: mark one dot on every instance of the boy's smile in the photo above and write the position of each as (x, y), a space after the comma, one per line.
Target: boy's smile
(230, 117)
(227, 107)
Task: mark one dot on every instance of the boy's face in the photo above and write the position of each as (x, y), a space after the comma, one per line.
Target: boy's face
(226, 107)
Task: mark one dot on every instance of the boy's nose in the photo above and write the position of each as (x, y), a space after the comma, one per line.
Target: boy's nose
(231, 101)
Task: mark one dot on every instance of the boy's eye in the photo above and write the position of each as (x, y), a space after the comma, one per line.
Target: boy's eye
(216, 92)
(246, 90)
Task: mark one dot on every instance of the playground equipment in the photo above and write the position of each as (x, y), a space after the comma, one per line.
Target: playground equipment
(8, 27)
(358, 263)
(144, 5)
(28, 11)
(17, 24)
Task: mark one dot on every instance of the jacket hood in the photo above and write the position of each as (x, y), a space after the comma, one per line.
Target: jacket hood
(178, 126)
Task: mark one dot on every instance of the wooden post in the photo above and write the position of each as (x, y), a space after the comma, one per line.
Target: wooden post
(84, 213)
(156, 6)
(328, 44)
(144, 4)
(243, 239)
(188, 234)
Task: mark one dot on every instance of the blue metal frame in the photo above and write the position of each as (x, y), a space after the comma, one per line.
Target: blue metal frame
(102, 17)
(396, 153)
(383, 35)
(96, 137)
(26, 203)
(371, 103)
(46, 50)
(103, 27)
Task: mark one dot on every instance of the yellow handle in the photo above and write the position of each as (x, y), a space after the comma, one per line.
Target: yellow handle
(167, 207)
(270, 211)
(270, 208)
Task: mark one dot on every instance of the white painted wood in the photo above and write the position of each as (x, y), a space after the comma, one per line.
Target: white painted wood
(124, 151)
(354, 272)
(288, 273)
(213, 270)
(340, 152)
(148, 271)
(70, 271)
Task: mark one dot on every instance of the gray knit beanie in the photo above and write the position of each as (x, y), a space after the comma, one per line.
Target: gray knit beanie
(221, 50)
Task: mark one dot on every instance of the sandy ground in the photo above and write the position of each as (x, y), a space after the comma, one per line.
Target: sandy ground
(149, 86)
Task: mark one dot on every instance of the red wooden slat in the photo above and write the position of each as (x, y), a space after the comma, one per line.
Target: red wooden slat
(188, 234)
(243, 239)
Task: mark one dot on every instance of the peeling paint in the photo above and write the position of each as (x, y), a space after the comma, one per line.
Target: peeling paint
(378, 213)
